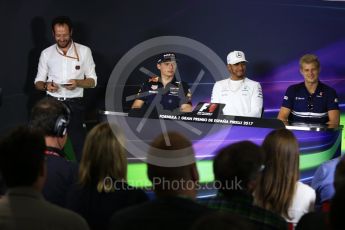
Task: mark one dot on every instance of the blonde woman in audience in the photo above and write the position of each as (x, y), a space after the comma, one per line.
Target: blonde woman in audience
(102, 189)
(278, 189)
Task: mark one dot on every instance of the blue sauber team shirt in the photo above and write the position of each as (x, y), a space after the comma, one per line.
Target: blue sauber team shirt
(169, 98)
(310, 108)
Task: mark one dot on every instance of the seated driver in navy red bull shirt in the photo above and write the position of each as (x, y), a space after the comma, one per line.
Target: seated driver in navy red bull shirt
(164, 93)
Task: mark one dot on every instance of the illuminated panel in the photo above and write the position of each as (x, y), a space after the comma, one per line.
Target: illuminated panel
(316, 147)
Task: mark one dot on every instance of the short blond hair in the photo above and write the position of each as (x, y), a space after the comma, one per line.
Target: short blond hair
(309, 58)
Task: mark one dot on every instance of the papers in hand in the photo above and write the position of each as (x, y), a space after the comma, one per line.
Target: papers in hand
(65, 84)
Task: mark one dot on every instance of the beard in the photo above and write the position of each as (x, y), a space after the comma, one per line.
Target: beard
(64, 43)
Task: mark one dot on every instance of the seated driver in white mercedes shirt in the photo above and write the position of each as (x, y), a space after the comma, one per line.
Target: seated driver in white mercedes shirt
(241, 96)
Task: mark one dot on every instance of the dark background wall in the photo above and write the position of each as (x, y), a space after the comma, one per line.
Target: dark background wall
(273, 34)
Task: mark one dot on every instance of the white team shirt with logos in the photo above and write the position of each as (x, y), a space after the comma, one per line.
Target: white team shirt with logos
(241, 98)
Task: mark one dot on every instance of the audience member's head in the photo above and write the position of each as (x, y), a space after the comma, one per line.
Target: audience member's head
(339, 175)
(103, 157)
(337, 213)
(237, 167)
(22, 158)
(51, 116)
(174, 179)
(222, 221)
(278, 180)
(2, 186)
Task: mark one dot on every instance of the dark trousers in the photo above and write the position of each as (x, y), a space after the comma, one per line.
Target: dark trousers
(75, 130)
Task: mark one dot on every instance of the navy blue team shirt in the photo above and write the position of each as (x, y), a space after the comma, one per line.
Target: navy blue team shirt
(169, 98)
(310, 108)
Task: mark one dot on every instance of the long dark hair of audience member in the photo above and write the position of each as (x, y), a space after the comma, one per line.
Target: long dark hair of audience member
(278, 186)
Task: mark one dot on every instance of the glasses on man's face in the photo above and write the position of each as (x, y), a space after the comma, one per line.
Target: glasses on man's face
(310, 103)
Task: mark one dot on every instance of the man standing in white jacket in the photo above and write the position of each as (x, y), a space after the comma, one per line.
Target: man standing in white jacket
(241, 96)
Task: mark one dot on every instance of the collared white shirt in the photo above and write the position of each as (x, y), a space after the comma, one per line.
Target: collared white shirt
(241, 98)
(54, 66)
